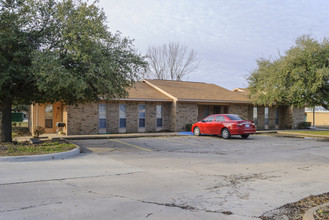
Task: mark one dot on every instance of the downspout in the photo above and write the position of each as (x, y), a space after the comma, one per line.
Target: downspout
(314, 117)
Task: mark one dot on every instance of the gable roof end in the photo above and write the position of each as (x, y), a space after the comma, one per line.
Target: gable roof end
(197, 91)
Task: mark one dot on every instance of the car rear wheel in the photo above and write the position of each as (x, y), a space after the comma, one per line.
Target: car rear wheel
(197, 131)
(226, 133)
(244, 136)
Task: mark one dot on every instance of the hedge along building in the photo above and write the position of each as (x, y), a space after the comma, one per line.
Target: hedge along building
(160, 105)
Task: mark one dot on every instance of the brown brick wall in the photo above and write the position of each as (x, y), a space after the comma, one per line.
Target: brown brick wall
(187, 113)
(166, 116)
(271, 117)
(239, 109)
(260, 117)
(285, 119)
(298, 116)
(112, 117)
(82, 119)
(150, 117)
(290, 117)
(132, 117)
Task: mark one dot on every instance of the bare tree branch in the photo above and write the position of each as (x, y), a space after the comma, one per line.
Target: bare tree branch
(172, 61)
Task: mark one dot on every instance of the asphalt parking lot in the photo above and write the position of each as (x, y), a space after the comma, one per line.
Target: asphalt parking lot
(186, 177)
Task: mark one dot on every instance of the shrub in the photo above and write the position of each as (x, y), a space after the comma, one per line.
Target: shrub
(188, 127)
(304, 125)
(21, 131)
(37, 131)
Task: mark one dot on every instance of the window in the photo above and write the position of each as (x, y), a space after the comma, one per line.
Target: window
(141, 116)
(220, 118)
(49, 116)
(102, 118)
(277, 117)
(266, 117)
(209, 119)
(255, 115)
(122, 115)
(205, 111)
(159, 115)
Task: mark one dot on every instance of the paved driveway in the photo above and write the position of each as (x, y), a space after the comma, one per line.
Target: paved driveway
(167, 178)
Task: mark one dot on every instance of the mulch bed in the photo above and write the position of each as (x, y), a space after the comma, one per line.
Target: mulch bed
(296, 210)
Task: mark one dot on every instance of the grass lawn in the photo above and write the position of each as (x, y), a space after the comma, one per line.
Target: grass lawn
(310, 132)
(25, 148)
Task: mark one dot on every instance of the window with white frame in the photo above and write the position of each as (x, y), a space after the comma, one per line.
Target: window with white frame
(122, 115)
(141, 116)
(205, 111)
(102, 118)
(255, 113)
(277, 117)
(266, 117)
(159, 115)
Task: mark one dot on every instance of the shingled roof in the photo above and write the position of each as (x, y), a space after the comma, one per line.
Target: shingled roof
(144, 92)
(196, 91)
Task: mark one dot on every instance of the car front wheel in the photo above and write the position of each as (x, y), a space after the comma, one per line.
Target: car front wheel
(197, 131)
(244, 136)
(226, 133)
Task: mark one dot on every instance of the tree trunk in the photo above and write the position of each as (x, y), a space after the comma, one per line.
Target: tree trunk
(5, 125)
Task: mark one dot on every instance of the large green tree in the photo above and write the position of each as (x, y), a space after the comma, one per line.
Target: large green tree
(60, 50)
(300, 77)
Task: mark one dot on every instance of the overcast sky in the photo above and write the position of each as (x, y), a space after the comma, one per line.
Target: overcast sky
(228, 36)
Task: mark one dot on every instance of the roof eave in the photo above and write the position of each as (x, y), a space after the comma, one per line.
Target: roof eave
(214, 101)
(145, 100)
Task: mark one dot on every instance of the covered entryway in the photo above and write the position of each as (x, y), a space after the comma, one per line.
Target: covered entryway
(46, 116)
(205, 110)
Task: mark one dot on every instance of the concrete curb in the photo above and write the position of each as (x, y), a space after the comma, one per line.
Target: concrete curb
(309, 213)
(112, 136)
(124, 135)
(55, 156)
(292, 134)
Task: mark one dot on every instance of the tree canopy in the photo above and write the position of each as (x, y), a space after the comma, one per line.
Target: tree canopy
(60, 50)
(300, 77)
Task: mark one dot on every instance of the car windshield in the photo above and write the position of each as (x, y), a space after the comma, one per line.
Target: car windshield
(235, 117)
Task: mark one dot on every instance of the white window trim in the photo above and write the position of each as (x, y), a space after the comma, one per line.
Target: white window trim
(158, 128)
(266, 126)
(102, 130)
(122, 130)
(141, 129)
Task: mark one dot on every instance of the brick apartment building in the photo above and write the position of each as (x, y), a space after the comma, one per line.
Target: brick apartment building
(161, 105)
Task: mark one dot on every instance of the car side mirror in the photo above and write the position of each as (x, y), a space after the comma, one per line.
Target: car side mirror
(203, 121)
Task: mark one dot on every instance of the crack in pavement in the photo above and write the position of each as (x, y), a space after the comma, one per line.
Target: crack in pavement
(30, 207)
(69, 178)
(174, 205)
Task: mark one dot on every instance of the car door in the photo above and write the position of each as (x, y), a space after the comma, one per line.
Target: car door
(206, 124)
(218, 124)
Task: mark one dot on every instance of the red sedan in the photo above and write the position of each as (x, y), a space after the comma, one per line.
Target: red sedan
(225, 125)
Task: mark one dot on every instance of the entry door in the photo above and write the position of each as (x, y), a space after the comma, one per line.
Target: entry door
(49, 121)
(102, 119)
